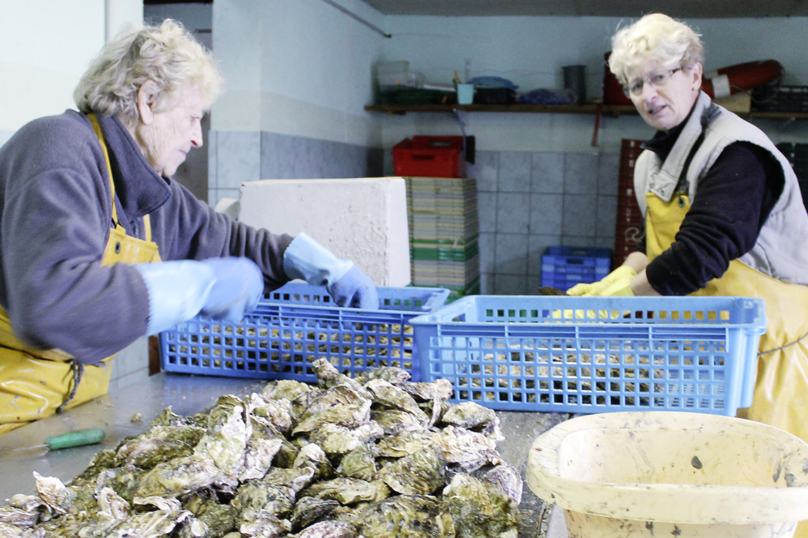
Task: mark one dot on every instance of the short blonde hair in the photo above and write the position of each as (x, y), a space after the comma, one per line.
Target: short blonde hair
(655, 37)
(167, 54)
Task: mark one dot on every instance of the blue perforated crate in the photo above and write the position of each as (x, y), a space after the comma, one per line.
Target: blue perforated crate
(563, 267)
(595, 354)
(296, 325)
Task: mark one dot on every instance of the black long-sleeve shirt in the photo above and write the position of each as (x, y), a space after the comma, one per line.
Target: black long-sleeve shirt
(732, 202)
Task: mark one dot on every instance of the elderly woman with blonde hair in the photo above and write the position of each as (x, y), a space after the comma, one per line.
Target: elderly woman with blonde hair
(87, 208)
(723, 210)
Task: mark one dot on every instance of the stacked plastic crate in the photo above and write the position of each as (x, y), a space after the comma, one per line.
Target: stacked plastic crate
(444, 233)
(797, 155)
(629, 228)
(442, 213)
(564, 267)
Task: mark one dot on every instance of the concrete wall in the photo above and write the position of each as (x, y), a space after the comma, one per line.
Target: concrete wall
(541, 180)
(297, 77)
(45, 47)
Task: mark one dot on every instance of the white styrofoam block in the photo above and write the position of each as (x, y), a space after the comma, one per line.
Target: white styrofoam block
(362, 219)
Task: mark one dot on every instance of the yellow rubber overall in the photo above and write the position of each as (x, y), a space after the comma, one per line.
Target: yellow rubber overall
(34, 383)
(781, 385)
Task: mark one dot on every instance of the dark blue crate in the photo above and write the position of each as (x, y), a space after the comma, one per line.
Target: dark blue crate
(563, 267)
(296, 325)
(595, 354)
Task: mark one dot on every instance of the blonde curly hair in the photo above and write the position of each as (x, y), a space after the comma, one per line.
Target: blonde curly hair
(655, 37)
(167, 54)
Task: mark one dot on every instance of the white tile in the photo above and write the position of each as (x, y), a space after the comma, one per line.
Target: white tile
(514, 171)
(485, 170)
(581, 173)
(513, 212)
(580, 214)
(511, 254)
(546, 213)
(547, 172)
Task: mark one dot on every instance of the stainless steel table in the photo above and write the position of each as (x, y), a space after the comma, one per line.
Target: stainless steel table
(185, 394)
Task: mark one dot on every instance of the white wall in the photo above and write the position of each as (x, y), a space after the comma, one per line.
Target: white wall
(300, 68)
(45, 47)
(531, 51)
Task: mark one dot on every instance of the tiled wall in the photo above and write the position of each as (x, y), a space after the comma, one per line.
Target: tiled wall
(239, 156)
(529, 201)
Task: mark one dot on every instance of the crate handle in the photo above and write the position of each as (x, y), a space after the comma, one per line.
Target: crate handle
(416, 157)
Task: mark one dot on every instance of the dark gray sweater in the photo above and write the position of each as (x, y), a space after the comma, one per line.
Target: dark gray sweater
(55, 217)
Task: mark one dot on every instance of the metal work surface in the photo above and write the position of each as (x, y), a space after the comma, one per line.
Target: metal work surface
(187, 395)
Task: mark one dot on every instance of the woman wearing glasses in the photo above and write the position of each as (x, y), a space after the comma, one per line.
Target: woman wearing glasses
(723, 210)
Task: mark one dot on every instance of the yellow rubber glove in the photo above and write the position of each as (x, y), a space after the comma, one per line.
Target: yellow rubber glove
(622, 274)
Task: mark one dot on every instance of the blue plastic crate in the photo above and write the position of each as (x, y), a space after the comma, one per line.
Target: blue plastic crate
(296, 325)
(563, 267)
(595, 354)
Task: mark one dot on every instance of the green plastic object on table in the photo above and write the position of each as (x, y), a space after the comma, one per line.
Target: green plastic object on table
(88, 436)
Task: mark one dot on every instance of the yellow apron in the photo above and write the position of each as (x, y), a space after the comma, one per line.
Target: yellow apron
(781, 385)
(34, 383)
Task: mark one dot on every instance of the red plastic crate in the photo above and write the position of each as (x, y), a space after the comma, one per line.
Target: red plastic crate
(430, 156)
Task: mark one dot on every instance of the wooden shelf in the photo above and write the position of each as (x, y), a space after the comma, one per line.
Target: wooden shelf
(607, 110)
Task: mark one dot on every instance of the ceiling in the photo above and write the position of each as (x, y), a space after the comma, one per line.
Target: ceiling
(686, 9)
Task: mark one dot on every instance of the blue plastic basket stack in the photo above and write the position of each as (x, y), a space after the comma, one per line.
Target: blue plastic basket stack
(564, 267)
(595, 354)
(296, 325)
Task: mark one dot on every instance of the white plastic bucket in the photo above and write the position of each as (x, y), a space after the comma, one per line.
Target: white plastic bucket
(671, 474)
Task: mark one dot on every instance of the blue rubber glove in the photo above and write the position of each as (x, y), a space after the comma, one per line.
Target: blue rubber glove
(355, 289)
(222, 288)
(308, 260)
(238, 288)
(177, 291)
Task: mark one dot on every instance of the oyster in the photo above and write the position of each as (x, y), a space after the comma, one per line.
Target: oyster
(479, 511)
(469, 450)
(468, 415)
(393, 421)
(145, 452)
(218, 518)
(405, 516)
(18, 517)
(359, 463)
(328, 377)
(226, 437)
(335, 439)
(178, 476)
(312, 456)
(328, 529)
(255, 499)
(286, 455)
(284, 389)
(391, 374)
(261, 450)
(390, 396)
(278, 413)
(347, 490)
(340, 405)
(7, 530)
(309, 510)
(420, 473)
(114, 507)
(507, 480)
(150, 524)
(296, 479)
(440, 389)
(265, 526)
(404, 443)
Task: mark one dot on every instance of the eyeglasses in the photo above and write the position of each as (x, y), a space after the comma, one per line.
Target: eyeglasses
(654, 79)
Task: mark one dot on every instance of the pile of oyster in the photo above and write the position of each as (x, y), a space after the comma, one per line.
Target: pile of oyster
(374, 456)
